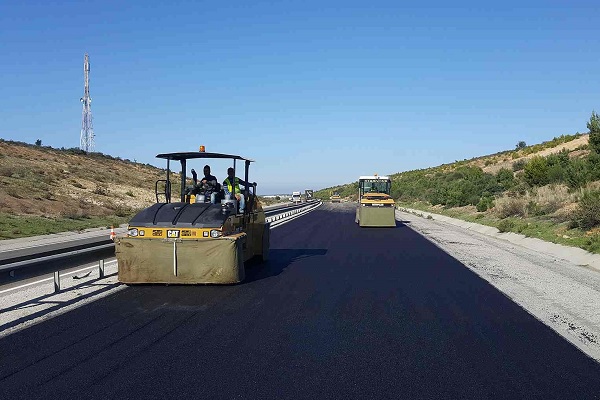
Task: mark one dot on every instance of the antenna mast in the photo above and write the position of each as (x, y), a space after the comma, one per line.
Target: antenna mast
(87, 129)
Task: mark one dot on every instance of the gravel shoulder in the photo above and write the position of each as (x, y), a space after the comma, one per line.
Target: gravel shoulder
(30, 304)
(547, 280)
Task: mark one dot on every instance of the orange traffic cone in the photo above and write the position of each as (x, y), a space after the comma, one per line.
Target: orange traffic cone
(113, 235)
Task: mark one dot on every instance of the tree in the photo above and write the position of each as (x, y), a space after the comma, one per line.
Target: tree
(38, 142)
(536, 171)
(521, 145)
(505, 178)
(594, 127)
(589, 209)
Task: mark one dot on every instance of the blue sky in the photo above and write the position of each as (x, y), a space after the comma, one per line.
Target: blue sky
(317, 92)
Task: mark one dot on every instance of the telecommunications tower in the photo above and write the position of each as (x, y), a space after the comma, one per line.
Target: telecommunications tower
(87, 129)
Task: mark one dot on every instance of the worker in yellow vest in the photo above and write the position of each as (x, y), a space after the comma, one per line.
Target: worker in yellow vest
(232, 182)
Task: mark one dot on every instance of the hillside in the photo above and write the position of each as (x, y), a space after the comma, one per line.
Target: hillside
(48, 182)
(549, 190)
(46, 190)
(576, 146)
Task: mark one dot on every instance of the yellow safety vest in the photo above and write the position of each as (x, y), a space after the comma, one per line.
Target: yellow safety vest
(237, 185)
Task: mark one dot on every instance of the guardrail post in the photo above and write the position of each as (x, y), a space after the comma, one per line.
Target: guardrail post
(56, 281)
(101, 268)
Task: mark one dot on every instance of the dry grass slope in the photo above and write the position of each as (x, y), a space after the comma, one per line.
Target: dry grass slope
(47, 182)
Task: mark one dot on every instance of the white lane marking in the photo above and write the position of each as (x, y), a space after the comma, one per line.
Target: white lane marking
(49, 279)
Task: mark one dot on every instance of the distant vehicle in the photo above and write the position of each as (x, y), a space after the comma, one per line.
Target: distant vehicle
(296, 197)
(192, 240)
(308, 193)
(335, 197)
(375, 205)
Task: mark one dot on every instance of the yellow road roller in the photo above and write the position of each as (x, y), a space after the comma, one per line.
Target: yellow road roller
(204, 237)
(375, 205)
(335, 197)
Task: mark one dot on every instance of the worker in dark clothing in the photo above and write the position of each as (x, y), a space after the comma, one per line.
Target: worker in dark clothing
(209, 185)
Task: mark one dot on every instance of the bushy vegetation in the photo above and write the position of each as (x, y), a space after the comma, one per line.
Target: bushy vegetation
(549, 144)
(588, 214)
(466, 185)
(484, 204)
(555, 197)
(347, 191)
(594, 126)
(539, 190)
(519, 165)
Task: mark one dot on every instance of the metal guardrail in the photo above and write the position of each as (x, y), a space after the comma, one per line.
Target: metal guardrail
(272, 215)
(58, 263)
(54, 257)
(296, 210)
(57, 275)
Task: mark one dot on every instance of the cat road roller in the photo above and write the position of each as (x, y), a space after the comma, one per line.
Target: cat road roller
(375, 205)
(335, 197)
(194, 240)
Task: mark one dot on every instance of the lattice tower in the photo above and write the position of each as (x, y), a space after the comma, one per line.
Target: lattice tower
(87, 128)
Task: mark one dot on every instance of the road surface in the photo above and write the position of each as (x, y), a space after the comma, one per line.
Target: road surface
(338, 312)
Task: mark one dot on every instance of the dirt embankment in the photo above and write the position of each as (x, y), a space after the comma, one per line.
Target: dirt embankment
(493, 164)
(43, 181)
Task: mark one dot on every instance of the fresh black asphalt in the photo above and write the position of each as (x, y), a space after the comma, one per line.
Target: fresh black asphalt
(337, 312)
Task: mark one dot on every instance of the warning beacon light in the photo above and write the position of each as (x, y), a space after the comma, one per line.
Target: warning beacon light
(202, 149)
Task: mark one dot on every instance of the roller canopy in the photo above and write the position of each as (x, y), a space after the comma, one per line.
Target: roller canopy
(197, 154)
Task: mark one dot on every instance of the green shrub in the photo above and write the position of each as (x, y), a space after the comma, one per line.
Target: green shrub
(520, 227)
(536, 171)
(582, 147)
(532, 208)
(122, 211)
(484, 204)
(593, 164)
(594, 126)
(506, 225)
(588, 213)
(518, 165)
(556, 174)
(505, 178)
(592, 244)
(560, 158)
(577, 173)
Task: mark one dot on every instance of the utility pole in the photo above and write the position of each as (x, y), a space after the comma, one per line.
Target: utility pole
(87, 128)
